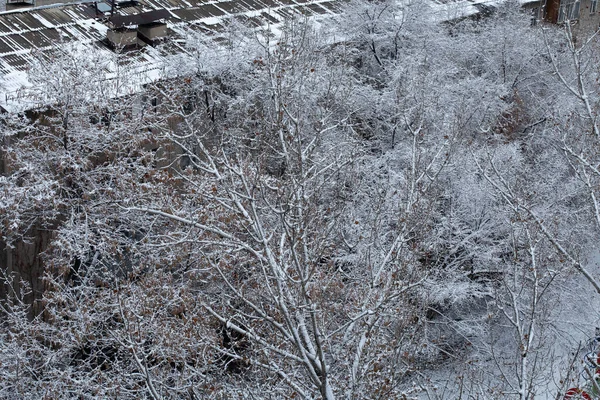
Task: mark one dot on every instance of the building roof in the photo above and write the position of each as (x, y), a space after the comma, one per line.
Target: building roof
(28, 34)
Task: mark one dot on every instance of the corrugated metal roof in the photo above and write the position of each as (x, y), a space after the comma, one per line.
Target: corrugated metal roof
(27, 34)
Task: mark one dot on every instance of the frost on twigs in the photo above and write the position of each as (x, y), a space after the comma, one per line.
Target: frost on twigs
(383, 207)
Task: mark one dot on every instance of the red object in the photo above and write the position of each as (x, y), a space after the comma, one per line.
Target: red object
(574, 392)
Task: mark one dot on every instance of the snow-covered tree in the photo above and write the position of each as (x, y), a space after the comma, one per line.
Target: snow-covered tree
(362, 210)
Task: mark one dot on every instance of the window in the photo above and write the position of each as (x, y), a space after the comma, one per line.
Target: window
(593, 6)
(568, 11)
(534, 16)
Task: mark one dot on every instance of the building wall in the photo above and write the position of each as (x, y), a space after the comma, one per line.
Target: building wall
(23, 261)
(588, 22)
(3, 160)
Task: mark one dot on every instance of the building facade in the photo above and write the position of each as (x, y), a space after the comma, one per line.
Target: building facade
(582, 15)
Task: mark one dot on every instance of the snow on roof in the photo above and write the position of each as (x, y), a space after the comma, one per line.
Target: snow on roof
(27, 34)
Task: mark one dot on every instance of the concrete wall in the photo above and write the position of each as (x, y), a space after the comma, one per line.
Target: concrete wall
(588, 22)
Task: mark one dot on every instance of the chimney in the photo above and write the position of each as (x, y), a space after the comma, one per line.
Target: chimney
(152, 32)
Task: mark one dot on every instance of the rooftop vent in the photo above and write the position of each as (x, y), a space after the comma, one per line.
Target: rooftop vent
(149, 29)
(153, 32)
